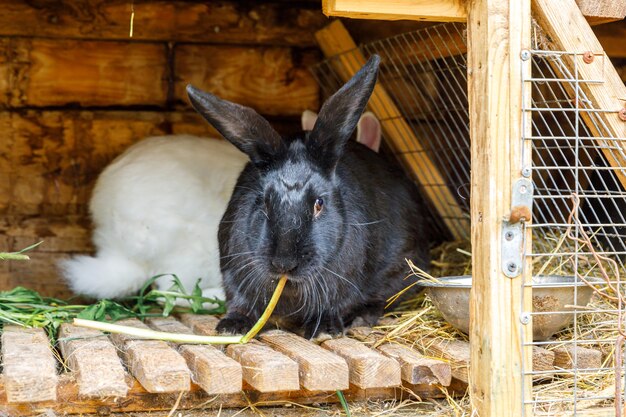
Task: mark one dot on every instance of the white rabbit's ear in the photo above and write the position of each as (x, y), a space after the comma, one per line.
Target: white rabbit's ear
(308, 119)
(368, 131)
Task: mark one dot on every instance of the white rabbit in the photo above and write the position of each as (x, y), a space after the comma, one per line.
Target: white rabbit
(156, 210)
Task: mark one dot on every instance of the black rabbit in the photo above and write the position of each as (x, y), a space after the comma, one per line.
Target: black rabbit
(332, 215)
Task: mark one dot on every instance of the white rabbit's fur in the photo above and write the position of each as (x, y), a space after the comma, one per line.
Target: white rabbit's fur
(156, 209)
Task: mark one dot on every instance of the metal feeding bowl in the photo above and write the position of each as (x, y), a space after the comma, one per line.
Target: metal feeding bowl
(551, 293)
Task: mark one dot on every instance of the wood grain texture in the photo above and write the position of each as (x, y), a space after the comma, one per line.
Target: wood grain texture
(320, 370)
(265, 369)
(602, 11)
(180, 21)
(156, 365)
(368, 368)
(139, 400)
(46, 72)
(497, 33)
(438, 11)
(416, 368)
(273, 81)
(335, 41)
(568, 30)
(29, 367)
(210, 368)
(570, 357)
(92, 358)
(200, 323)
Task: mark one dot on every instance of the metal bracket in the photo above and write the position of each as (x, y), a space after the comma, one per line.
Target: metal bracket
(512, 229)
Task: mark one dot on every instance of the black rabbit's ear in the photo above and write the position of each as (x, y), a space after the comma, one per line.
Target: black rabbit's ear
(340, 114)
(240, 125)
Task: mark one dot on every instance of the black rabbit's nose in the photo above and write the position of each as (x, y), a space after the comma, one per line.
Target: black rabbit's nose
(284, 265)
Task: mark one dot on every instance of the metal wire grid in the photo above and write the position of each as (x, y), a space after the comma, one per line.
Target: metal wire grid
(427, 78)
(578, 228)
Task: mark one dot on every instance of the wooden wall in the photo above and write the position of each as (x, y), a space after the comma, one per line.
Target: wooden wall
(75, 91)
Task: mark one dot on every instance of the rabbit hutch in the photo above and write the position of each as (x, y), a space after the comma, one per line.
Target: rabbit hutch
(510, 116)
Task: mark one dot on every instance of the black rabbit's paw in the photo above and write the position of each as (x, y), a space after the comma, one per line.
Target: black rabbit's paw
(235, 323)
(327, 326)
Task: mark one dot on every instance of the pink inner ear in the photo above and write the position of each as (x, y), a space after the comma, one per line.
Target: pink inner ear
(369, 131)
(308, 119)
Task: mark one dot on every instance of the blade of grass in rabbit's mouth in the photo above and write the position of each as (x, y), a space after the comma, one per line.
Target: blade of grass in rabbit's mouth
(190, 338)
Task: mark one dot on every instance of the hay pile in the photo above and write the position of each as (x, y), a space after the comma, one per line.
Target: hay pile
(416, 320)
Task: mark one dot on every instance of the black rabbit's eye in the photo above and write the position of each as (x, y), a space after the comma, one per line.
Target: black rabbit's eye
(317, 207)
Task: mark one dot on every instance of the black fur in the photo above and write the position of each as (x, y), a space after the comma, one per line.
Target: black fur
(344, 263)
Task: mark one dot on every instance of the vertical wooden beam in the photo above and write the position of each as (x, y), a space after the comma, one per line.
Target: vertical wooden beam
(497, 33)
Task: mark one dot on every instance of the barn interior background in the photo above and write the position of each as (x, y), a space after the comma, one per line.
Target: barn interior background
(76, 91)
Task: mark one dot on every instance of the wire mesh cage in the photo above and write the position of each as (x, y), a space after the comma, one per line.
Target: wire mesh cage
(579, 204)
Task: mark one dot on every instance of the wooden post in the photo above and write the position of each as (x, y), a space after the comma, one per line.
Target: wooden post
(497, 33)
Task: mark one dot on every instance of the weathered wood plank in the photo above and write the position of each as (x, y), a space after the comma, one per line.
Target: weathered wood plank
(320, 370)
(210, 368)
(270, 80)
(200, 323)
(562, 20)
(91, 356)
(417, 369)
(264, 369)
(139, 400)
(180, 21)
(157, 366)
(368, 368)
(29, 367)
(335, 41)
(457, 353)
(602, 11)
(596, 11)
(438, 11)
(577, 357)
(46, 72)
(497, 32)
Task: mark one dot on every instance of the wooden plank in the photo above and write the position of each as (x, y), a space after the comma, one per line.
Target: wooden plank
(596, 11)
(180, 21)
(157, 366)
(46, 72)
(368, 368)
(577, 357)
(320, 370)
(139, 400)
(416, 368)
(91, 356)
(497, 33)
(29, 367)
(210, 368)
(458, 354)
(335, 41)
(264, 369)
(562, 20)
(602, 11)
(200, 323)
(267, 79)
(438, 11)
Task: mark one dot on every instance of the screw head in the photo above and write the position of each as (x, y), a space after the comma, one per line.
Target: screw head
(588, 57)
(525, 55)
(511, 266)
(622, 114)
(526, 171)
(509, 236)
(524, 318)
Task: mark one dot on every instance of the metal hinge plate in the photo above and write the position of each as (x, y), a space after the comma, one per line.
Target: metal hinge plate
(513, 230)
